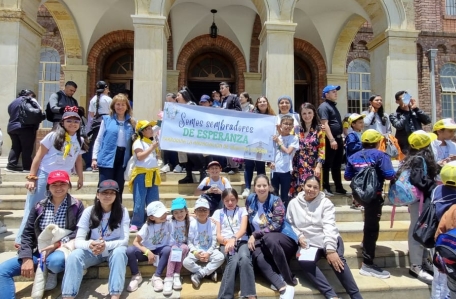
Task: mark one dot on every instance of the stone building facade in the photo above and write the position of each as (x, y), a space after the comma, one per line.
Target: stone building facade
(269, 47)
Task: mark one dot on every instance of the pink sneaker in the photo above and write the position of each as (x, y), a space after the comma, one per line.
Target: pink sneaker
(157, 283)
(133, 229)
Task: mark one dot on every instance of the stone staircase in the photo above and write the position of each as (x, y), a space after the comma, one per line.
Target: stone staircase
(392, 249)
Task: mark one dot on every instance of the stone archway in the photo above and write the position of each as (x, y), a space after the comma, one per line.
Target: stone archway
(68, 31)
(313, 57)
(101, 50)
(221, 45)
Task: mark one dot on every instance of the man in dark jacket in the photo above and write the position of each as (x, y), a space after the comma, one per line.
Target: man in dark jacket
(22, 136)
(229, 100)
(407, 119)
(59, 100)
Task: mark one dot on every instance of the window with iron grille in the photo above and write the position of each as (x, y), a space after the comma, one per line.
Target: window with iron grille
(448, 86)
(450, 7)
(48, 78)
(358, 90)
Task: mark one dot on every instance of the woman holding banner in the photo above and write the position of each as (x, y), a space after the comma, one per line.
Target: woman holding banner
(194, 161)
(310, 157)
(262, 106)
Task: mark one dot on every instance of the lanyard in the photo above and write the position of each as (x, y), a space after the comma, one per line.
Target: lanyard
(228, 218)
(103, 230)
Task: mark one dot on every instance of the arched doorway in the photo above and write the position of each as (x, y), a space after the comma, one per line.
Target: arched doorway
(118, 71)
(303, 83)
(207, 71)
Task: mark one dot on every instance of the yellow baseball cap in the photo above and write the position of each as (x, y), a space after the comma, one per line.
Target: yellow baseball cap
(420, 139)
(448, 174)
(354, 117)
(140, 125)
(446, 123)
(371, 136)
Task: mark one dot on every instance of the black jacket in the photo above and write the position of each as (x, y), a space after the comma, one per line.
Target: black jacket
(232, 102)
(407, 122)
(32, 229)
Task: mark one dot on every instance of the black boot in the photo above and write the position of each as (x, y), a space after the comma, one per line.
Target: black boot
(203, 175)
(186, 180)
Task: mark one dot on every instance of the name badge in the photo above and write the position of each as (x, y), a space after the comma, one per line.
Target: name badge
(176, 255)
(156, 259)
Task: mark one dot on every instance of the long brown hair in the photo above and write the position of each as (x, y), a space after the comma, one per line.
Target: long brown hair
(269, 110)
(120, 98)
(187, 221)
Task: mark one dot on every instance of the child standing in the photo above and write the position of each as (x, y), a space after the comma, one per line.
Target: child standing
(202, 242)
(232, 223)
(213, 186)
(286, 146)
(152, 245)
(180, 224)
(443, 148)
(145, 176)
(353, 140)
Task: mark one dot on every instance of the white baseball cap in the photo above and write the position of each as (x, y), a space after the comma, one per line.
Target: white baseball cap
(156, 209)
(201, 202)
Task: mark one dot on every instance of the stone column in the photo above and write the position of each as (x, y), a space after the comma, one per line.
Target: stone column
(341, 80)
(393, 65)
(78, 74)
(149, 79)
(253, 85)
(277, 60)
(20, 37)
(172, 81)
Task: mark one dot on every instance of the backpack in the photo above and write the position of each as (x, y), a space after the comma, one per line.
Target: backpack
(365, 184)
(49, 113)
(445, 253)
(403, 193)
(29, 112)
(427, 223)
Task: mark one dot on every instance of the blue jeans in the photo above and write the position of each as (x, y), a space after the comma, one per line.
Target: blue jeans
(282, 179)
(116, 172)
(142, 196)
(81, 259)
(240, 259)
(31, 201)
(55, 263)
(248, 172)
(135, 255)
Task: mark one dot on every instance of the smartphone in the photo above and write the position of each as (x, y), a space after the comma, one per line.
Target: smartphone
(406, 98)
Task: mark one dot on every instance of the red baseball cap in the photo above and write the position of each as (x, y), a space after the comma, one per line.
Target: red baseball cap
(58, 176)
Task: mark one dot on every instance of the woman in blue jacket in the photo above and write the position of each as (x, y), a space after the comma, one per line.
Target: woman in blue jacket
(112, 148)
(272, 240)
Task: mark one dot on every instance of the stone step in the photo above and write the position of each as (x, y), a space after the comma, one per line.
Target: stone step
(13, 218)
(400, 285)
(350, 232)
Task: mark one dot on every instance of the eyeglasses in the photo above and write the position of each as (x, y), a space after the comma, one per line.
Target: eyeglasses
(73, 121)
(202, 210)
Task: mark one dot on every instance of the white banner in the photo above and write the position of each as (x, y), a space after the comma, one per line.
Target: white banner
(215, 131)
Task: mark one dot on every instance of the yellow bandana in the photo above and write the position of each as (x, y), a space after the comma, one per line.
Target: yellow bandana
(67, 145)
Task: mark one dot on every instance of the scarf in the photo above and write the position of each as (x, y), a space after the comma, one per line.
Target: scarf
(67, 148)
(152, 174)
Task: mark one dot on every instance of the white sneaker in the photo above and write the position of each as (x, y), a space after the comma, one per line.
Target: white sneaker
(246, 193)
(288, 294)
(328, 193)
(177, 284)
(418, 272)
(3, 228)
(165, 168)
(178, 169)
(134, 282)
(168, 286)
(51, 281)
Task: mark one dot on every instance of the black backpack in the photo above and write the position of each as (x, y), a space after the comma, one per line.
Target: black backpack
(365, 184)
(49, 113)
(29, 112)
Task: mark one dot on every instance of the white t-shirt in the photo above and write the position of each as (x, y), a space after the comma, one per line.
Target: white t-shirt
(117, 237)
(178, 235)
(53, 160)
(283, 161)
(230, 222)
(150, 161)
(219, 183)
(260, 218)
(103, 107)
(155, 235)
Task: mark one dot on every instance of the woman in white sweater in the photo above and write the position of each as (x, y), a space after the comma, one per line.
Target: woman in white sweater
(312, 217)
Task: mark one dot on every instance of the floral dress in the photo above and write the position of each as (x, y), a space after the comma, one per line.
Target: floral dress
(311, 151)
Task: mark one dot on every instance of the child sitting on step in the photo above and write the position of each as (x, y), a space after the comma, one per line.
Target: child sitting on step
(202, 242)
(212, 187)
(180, 223)
(152, 245)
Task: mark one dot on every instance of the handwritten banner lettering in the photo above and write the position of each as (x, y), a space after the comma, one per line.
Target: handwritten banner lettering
(221, 132)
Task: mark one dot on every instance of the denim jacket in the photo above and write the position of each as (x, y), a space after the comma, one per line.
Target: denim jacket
(275, 213)
(107, 152)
